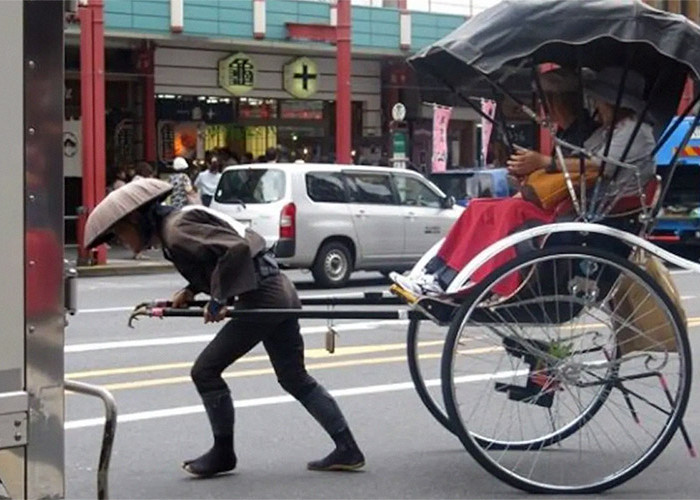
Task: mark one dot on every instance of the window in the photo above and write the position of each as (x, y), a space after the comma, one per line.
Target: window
(370, 188)
(251, 186)
(326, 187)
(414, 193)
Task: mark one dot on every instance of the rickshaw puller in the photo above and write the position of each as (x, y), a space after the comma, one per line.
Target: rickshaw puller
(219, 256)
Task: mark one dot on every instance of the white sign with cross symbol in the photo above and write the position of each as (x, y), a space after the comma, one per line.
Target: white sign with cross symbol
(301, 78)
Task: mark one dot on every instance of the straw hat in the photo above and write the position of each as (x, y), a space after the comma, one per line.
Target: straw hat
(605, 84)
(120, 203)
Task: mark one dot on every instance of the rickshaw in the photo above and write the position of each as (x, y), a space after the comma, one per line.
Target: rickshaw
(577, 380)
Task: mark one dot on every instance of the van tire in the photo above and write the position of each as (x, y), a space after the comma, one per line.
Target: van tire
(333, 265)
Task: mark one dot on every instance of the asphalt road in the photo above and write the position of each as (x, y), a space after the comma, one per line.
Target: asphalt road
(409, 455)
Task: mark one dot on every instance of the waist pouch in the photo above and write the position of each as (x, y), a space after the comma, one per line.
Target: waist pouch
(266, 265)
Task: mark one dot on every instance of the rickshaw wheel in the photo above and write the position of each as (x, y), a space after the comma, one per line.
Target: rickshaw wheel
(430, 400)
(568, 364)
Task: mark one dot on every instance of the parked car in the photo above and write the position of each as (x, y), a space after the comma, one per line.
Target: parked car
(335, 219)
(467, 183)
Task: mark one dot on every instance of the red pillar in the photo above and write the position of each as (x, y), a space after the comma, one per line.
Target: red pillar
(146, 66)
(92, 93)
(343, 115)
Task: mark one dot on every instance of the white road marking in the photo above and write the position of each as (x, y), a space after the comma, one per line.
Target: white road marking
(275, 400)
(192, 339)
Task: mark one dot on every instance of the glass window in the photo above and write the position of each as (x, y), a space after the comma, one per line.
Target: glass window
(251, 186)
(414, 193)
(370, 188)
(325, 186)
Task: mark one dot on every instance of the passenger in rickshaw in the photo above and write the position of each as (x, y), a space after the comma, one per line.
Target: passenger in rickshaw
(486, 221)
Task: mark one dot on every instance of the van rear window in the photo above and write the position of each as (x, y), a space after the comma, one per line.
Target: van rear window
(251, 186)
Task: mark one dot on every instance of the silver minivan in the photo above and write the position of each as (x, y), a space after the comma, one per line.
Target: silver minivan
(334, 219)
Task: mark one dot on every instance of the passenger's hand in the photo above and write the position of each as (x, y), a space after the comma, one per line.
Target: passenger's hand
(182, 297)
(219, 315)
(525, 162)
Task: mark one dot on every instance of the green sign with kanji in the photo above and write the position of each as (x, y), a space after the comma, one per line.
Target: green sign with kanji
(301, 77)
(237, 74)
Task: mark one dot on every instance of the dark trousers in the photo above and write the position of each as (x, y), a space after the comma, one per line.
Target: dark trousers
(283, 344)
(206, 199)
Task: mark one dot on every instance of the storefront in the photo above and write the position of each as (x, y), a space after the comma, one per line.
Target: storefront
(247, 102)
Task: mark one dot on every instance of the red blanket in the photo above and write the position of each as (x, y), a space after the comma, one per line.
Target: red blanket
(484, 222)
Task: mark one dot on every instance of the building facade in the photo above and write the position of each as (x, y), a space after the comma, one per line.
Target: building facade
(186, 76)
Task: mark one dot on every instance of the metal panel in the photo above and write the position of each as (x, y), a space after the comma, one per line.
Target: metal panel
(11, 189)
(12, 461)
(43, 122)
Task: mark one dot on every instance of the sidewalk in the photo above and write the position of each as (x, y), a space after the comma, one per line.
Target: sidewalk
(120, 262)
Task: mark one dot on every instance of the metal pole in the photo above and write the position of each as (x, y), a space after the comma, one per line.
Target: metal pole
(343, 102)
(110, 430)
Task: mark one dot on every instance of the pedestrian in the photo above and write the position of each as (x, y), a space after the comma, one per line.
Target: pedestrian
(207, 180)
(222, 258)
(271, 155)
(183, 193)
(247, 158)
(143, 170)
(120, 178)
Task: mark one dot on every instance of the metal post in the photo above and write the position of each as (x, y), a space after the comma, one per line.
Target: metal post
(343, 102)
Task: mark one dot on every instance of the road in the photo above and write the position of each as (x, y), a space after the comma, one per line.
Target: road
(161, 421)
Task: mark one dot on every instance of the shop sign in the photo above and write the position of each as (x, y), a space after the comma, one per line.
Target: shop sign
(237, 74)
(301, 78)
(189, 109)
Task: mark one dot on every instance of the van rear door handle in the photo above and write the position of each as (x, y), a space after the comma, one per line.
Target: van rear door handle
(360, 213)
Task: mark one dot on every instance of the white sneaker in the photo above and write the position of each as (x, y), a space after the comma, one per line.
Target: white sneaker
(429, 284)
(406, 283)
(425, 284)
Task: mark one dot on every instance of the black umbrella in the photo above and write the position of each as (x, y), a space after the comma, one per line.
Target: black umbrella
(502, 42)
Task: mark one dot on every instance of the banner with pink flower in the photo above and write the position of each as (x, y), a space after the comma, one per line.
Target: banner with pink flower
(441, 119)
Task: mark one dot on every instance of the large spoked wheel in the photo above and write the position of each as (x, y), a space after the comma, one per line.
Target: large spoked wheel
(418, 365)
(572, 360)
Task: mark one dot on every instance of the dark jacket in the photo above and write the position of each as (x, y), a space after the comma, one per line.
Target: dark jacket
(215, 259)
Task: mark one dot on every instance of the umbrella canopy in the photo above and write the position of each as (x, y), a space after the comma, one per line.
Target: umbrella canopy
(588, 33)
(120, 203)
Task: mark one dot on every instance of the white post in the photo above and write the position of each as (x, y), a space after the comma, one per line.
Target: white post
(177, 16)
(259, 20)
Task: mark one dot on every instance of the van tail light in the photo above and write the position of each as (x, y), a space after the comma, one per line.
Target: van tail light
(288, 221)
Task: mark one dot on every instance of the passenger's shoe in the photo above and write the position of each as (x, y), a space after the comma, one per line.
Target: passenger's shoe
(346, 456)
(406, 283)
(425, 284)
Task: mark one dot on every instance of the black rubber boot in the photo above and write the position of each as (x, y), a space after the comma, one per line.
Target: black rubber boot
(221, 457)
(346, 456)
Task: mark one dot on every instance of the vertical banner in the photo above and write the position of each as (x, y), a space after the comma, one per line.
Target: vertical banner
(441, 119)
(488, 107)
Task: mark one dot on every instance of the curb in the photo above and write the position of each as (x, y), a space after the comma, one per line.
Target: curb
(123, 270)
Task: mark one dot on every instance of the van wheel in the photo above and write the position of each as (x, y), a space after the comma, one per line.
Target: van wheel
(333, 265)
